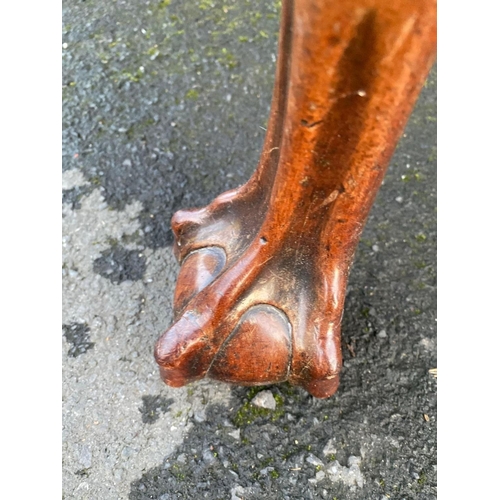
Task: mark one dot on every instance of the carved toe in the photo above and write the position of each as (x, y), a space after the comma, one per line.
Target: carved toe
(198, 270)
(179, 349)
(258, 351)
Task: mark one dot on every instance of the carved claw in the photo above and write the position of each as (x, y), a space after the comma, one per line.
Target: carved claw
(247, 314)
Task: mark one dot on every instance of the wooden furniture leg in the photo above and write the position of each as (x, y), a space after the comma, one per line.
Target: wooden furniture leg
(260, 293)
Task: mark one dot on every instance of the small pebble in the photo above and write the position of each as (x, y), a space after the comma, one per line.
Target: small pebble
(320, 475)
(199, 417)
(382, 334)
(330, 448)
(208, 457)
(237, 492)
(127, 452)
(265, 471)
(399, 199)
(85, 456)
(264, 399)
(235, 434)
(314, 460)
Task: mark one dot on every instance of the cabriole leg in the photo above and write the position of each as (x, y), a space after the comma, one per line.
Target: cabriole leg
(260, 294)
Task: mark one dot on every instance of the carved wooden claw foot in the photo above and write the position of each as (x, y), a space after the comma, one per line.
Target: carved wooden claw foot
(260, 294)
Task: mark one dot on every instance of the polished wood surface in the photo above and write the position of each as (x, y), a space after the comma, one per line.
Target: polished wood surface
(261, 290)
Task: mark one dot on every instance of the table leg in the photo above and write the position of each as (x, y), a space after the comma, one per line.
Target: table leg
(261, 290)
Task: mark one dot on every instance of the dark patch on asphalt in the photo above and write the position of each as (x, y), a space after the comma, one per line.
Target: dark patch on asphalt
(156, 228)
(77, 334)
(119, 264)
(278, 453)
(74, 195)
(152, 406)
(83, 473)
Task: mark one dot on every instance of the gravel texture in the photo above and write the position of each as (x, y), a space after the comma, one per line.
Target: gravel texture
(164, 107)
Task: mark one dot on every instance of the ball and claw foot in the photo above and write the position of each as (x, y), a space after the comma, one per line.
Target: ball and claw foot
(248, 311)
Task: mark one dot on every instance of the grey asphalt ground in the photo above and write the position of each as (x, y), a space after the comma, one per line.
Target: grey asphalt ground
(165, 105)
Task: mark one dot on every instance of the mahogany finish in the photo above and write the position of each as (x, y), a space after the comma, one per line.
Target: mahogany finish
(261, 290)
